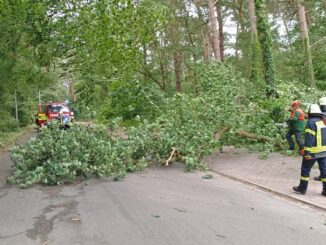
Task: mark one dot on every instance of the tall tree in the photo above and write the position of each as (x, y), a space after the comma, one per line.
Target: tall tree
(308, 71)
(265, 40)
(25, 51)
(206, 38)
(220, 28)
(214, 30)
(254, 44)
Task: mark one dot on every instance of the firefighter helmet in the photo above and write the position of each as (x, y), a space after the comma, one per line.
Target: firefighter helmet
(322, 101)
(314, 108)
(322, 104)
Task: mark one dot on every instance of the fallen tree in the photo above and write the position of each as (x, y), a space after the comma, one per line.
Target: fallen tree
(253, 136)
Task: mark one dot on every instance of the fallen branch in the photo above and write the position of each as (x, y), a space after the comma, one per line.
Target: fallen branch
(218, 134)
(253, 136)
(174, 150)
(320, 40)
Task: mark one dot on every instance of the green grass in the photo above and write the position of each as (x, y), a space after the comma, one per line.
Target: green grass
(8, 139)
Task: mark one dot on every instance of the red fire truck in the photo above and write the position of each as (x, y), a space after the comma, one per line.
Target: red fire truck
(51, 111)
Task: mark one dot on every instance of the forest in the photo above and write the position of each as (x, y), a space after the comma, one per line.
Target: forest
(185, 75)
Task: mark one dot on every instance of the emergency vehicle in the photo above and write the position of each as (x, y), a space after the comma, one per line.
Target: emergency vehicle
(51, 111)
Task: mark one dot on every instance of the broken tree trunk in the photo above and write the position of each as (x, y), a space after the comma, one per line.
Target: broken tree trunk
(253, 136)
(218, 134)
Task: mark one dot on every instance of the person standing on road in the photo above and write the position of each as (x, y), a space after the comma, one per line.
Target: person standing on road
(322, 105)
(296, 126)
(314, 149)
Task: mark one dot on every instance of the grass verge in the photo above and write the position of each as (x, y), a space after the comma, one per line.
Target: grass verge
(9, 139)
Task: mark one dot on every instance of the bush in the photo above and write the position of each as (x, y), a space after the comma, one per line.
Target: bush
(7, 123)
(59, 156)
(132, 99)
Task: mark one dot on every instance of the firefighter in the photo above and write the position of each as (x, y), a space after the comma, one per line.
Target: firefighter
(322, 105)
(314, 149)
(64, 120)
(296, 126)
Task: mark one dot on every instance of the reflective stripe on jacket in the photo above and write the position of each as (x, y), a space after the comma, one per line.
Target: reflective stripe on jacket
(315, 137)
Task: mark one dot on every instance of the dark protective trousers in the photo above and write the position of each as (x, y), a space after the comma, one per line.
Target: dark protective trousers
(298, 138)
(305, 172)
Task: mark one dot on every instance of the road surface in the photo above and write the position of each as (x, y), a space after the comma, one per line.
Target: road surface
(161, 205)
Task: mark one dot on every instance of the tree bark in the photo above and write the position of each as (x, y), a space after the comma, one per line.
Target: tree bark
(190, 35)
(254, 49)
(308, 71)
(174, 35)
(163, 65)
(253, 136)
(236, 45)
(206, 45)
(238, 15)
(177, 69)
(252, 15)
(266, 46)
(215, 36)
(205, 38)
(220, 29)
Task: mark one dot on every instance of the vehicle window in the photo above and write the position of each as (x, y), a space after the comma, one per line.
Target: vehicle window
(55, 108)
(65, 109)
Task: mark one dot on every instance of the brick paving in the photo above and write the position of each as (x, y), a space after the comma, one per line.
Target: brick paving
(278, 173)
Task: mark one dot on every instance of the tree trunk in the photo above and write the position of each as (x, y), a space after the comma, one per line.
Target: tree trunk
(215, 36)
(220, 29)
(266, 46)
(163, 73)
(176, 59)
(254, 49)
(206, 45)
(177, 70)
(190, 35)
(238, 15)
(174, 33)
(308, 71)
(236, 45)
(205, 32)
(253, 136)
(208, 42)
(163, 66)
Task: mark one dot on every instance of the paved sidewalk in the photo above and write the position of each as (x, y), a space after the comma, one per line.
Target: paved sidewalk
(277, 173)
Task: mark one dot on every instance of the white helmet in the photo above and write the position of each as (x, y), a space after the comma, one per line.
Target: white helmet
(322, 101)
(314, 108)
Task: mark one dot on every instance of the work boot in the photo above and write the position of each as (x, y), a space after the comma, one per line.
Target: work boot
(323, 192)
(297, 189)
(317, 178)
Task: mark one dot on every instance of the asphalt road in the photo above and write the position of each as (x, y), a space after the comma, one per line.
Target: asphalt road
(158, 206)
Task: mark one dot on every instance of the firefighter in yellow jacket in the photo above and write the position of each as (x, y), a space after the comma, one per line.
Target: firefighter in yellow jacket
(314, 149)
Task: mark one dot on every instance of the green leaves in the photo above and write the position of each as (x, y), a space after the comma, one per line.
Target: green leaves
(58, 156)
